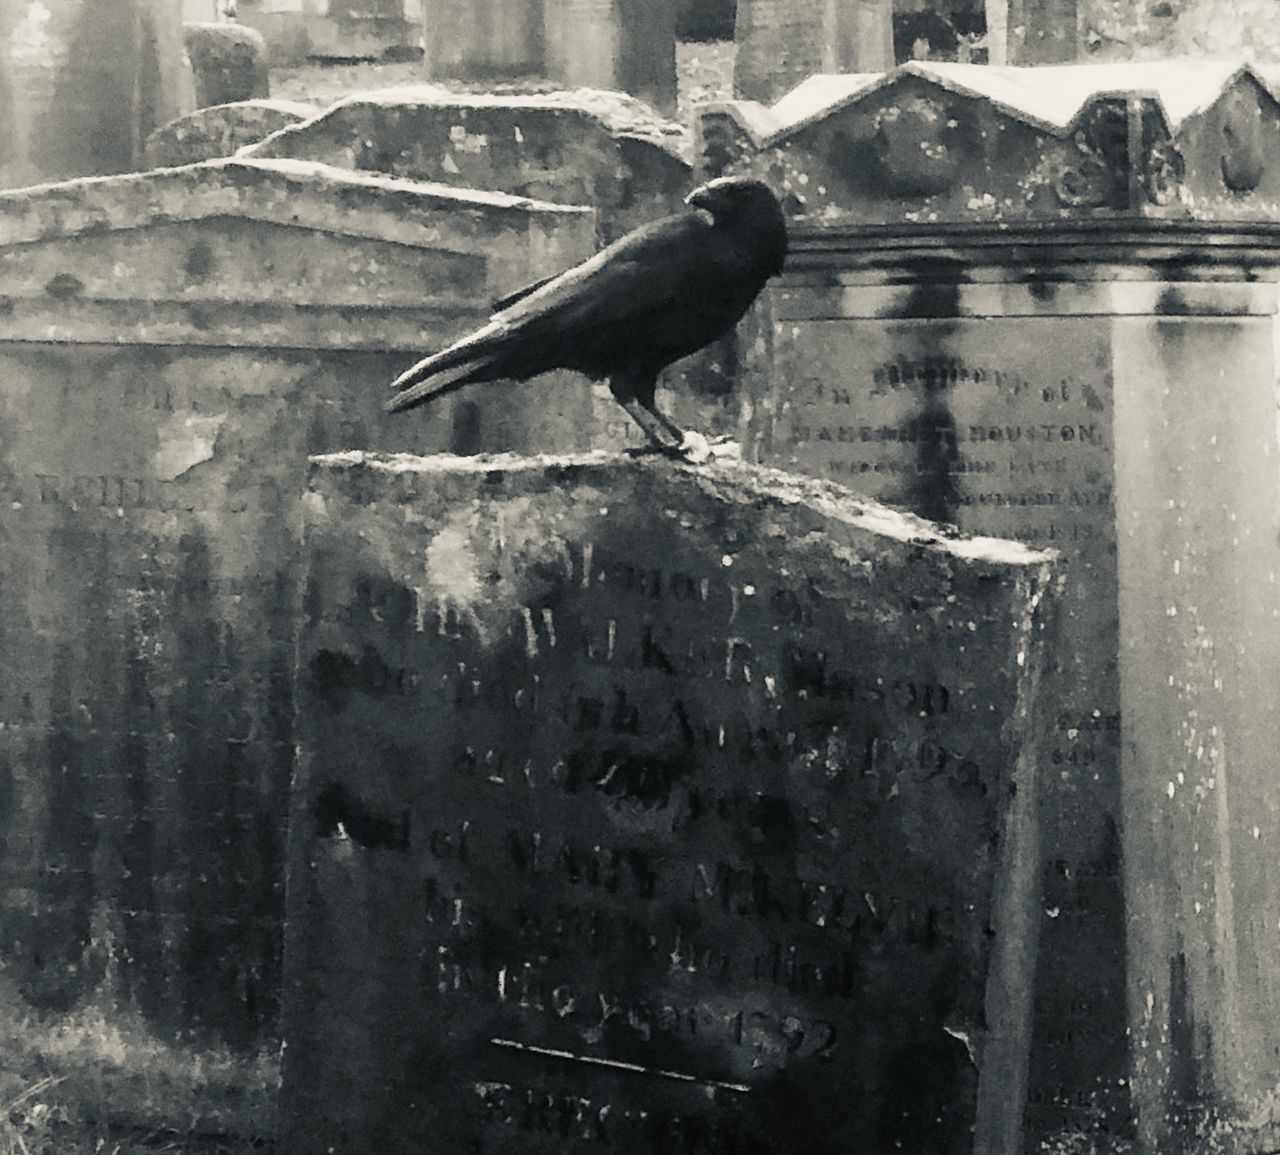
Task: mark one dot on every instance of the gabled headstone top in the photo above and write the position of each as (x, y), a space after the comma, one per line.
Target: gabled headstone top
(936, 141)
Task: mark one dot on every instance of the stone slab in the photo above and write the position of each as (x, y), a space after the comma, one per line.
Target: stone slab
(586, 147)
(221, 130)
(648, 808)
(173, 345)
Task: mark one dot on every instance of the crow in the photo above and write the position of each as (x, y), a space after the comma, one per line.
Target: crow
(658, 294)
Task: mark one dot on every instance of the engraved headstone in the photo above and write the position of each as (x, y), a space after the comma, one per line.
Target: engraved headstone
(972, 252)
(649, 809)
(173, 345)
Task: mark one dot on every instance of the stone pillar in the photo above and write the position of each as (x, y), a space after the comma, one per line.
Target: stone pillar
(783, 42)
(483, 39)
(662, 808)
(1040, 32)
(83, 83)
(626, 45)
(1198, 531)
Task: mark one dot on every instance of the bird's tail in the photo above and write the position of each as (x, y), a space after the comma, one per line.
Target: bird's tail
(471, 359)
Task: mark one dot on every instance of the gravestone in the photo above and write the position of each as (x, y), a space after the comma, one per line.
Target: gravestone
(782, 42)
(222, 130)
(596, 43)
(975, 255)
(229, 61)
(629, 45)
(654, 809)
(173, 344)
(299, 30)
(602, 149)
(83, 83)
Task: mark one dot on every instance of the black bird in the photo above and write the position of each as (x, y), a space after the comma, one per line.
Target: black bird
(658, 294)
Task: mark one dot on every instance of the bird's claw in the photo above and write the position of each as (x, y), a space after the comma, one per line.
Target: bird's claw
(694, 448)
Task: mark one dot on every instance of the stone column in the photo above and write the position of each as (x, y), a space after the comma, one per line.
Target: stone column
(483, 39)
(83, 82)
(782, 42)
(628, 45)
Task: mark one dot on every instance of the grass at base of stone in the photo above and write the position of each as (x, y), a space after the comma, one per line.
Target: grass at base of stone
(96, 1083)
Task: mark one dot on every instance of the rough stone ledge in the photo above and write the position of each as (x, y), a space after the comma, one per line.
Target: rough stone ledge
(623, 116)
(279, 190)
(731, 482)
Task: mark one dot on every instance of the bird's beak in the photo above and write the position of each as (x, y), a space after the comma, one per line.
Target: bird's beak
(700, 198)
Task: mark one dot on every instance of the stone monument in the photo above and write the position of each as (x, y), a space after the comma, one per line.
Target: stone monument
(657, 809)
(83, 83)
(173, 345)
(1007, 288)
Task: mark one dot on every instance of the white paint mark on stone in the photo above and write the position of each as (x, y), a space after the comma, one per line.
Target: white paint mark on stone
(30, 42)
(184, 443)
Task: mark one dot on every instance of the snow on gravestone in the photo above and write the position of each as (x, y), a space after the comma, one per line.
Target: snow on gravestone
(653, 809)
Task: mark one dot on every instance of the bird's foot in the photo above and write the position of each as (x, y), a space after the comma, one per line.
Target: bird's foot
(693, 448)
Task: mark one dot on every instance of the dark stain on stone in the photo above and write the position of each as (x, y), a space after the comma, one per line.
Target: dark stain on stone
(1171, 302)
(337, 811)
(466, 437)
(335, 676)
(200, 261)
(1180, 1088)
(7, 306)
(64, 286)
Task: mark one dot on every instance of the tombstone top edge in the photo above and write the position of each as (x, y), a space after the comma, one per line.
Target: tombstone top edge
(732, 482)
(1050, 97)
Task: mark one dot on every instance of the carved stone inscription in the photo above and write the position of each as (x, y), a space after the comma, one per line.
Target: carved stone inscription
(635, 817)
(1003, 426)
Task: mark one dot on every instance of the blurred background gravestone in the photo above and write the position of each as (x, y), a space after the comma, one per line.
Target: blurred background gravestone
(629, 46)
(229, 62)
(173, 344)
(657, 808)
(83, 82)
(222, 130)
(983, 261)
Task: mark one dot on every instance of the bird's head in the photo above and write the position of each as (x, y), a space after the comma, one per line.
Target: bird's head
(745, 206)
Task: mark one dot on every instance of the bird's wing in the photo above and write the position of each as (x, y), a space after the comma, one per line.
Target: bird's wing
(520, 294)
(650, 271)
(649, 277)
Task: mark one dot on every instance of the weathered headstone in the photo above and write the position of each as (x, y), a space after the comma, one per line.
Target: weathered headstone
(973, 253)
(298, 30)
(655, 809)
(597, 43)
(602, 149)
(229, 61)
(629, 45)
(482, 39)
(83, 83)
(172, 345)
(782, 42)
(222, 130)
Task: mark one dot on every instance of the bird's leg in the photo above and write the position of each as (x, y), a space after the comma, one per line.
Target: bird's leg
(636, 394)
(662, 435)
